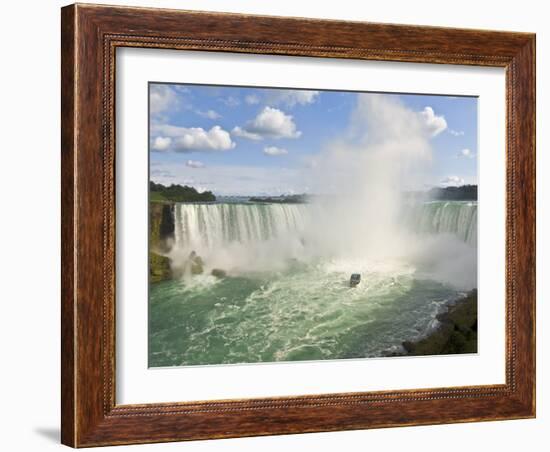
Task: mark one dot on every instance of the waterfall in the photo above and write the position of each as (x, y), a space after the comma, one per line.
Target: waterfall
(207, 227)
(444, 217)
(211, 227)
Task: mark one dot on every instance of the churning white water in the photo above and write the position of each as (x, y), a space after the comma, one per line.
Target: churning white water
(439, 237)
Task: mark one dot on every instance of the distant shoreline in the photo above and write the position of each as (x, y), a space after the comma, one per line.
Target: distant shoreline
(460, 193)
(178, 193)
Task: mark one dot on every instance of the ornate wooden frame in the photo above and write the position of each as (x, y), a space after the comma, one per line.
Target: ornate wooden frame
(90, 35)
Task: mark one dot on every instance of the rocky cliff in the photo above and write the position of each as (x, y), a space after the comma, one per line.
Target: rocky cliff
(161, 226)
(161, 238)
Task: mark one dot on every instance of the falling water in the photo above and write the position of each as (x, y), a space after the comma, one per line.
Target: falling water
(207, 227)
(444, 217)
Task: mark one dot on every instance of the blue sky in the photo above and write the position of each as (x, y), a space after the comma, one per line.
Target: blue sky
(245, 140)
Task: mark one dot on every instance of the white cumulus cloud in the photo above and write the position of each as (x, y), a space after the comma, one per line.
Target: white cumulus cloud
(274, 151)
(433, 123)
(184, 139)
(161, 143)
(194, 164)
(270, 123)
(240, 132)
(162, 98)
(196, 138)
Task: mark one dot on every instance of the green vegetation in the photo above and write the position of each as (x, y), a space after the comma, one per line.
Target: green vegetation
(178, 193)
(457, 332)
(156, 196)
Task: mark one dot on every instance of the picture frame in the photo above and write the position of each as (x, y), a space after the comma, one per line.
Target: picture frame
(90, 36)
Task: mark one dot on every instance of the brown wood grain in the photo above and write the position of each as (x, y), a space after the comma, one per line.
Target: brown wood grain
(67, 226)
(90, 36)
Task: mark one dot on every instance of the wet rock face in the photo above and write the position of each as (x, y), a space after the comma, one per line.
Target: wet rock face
(218, 273)
(161, 238)
(197, 264)
(167, 223)
(159, 268)
(457, 332)
(161, 226)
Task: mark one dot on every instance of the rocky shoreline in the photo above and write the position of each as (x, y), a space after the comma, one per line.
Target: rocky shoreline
(455, 334)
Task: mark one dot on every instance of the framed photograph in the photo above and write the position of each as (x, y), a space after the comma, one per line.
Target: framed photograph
(281, 225)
